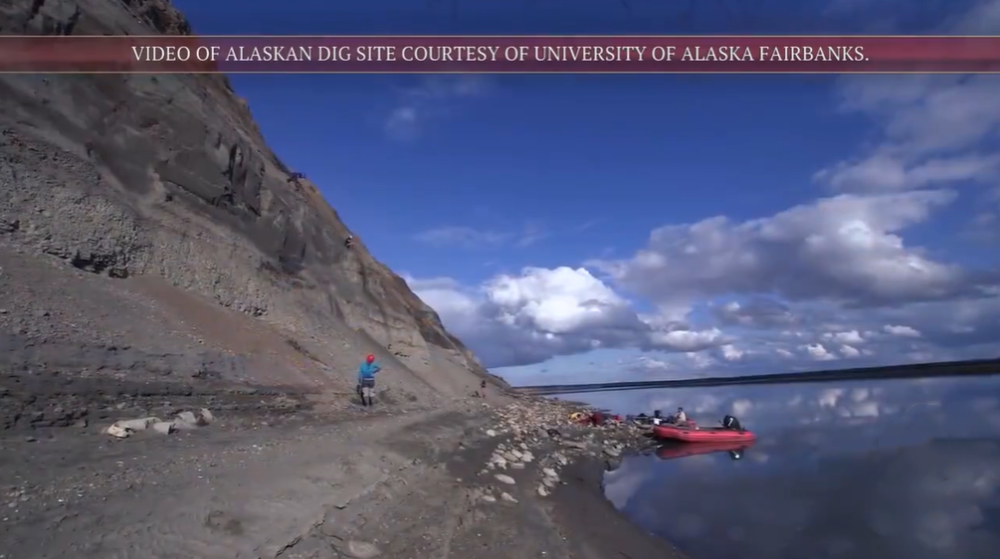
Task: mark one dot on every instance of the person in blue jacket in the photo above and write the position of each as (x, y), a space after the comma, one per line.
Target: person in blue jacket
(366, 379)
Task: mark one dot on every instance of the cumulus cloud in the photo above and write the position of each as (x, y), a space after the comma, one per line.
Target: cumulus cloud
(541, 313)
(898, 330)
(933, 129)
(760, 312)
(845, 248)
(538, 314)
(818, 352)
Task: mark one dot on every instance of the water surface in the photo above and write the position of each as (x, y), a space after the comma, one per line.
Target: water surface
(875, 470)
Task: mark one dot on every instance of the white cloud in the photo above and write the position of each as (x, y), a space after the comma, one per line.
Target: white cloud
(983, 19)
(849, 337)
(557, 301)
(433, 98)
(884, 172)
(462, 236)
(469, 237)
(757, 312)
(818, 352)
(402, 123)
(904, 331)
(849, 352)
(985, 225)
(541, 313)
(688, 340)
(731, 353)
(531, 234)
(845, 248)
(932, 126)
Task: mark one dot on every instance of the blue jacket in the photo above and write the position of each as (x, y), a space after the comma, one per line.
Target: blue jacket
(368, 370)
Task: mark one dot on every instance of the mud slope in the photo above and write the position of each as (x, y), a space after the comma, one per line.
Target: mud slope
(145, 223)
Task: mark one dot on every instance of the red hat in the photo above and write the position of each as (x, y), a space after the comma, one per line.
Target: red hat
(370, 358)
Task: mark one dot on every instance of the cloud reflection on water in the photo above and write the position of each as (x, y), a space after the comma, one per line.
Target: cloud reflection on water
(878, 470)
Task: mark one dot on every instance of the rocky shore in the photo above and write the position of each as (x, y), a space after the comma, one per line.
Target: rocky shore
(540, 433)
(498, 479)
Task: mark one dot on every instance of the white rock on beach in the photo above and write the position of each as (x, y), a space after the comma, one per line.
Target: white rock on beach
(361, 550)
(117, 431)
(502, 478)
(137, 424)
(182, 425)
(164, 427)
(190, 418)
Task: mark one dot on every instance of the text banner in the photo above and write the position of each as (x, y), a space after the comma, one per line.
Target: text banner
(507, 54)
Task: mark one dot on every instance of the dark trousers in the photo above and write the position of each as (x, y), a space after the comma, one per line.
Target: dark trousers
(367, 389)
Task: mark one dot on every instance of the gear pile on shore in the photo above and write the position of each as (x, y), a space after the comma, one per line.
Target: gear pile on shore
(538, 436)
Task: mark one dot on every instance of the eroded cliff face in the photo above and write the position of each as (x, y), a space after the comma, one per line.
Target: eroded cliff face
(159, 193)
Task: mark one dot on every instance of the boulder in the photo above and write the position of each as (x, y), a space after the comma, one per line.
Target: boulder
(165, 427)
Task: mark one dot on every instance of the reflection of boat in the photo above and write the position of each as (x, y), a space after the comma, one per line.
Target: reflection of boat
(698, 435)
(672, 451)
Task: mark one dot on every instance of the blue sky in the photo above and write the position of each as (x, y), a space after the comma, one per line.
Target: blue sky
(680, 225)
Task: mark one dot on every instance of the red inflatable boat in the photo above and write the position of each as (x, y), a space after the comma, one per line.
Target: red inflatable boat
(702, 435)
(674, 450)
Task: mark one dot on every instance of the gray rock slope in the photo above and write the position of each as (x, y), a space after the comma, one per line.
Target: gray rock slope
(146, 226)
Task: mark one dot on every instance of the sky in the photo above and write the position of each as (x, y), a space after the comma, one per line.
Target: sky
(585, 228)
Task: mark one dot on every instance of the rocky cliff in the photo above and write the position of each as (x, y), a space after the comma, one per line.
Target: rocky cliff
(146, 225)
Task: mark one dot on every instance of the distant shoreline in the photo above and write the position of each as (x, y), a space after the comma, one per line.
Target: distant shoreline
(985, 367)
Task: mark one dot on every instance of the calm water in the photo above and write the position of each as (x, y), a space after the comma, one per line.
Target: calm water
(881, 470)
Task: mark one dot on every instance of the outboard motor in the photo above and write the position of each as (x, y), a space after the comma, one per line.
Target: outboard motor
(731, 423)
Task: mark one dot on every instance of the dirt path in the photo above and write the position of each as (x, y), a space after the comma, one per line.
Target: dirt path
(405, 486)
